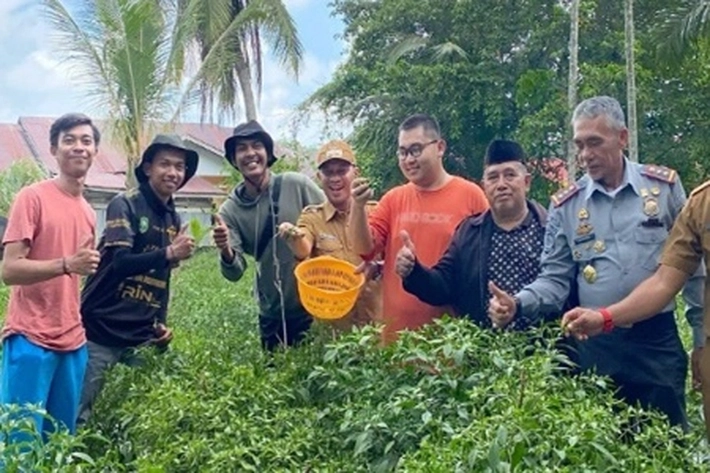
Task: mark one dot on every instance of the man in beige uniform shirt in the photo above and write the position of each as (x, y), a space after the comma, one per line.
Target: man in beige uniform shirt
(323, 229)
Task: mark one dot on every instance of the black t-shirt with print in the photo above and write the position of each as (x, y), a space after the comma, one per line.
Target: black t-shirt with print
(129, 292)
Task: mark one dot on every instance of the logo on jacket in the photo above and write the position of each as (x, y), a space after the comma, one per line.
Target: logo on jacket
(143, 225)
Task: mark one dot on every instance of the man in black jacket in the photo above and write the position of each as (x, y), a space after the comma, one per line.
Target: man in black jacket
(502, 245)
(124, 304)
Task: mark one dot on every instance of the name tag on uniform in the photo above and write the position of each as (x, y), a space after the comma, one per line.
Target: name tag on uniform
(652, 223)
(584, 239)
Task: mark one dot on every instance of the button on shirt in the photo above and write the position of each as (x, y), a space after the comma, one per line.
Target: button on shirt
(613, 235)
(514, 260)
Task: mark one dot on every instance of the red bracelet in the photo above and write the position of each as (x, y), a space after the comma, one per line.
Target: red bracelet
(608, 321)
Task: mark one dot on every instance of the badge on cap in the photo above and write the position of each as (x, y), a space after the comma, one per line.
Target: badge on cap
(589, 273)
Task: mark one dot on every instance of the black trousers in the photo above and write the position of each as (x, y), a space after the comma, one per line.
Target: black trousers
(647, 362)
(274, 334)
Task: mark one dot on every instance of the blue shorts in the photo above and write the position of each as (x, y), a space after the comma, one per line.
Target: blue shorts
(49, 379)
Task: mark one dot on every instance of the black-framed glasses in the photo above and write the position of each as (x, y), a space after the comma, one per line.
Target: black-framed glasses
(414, 150)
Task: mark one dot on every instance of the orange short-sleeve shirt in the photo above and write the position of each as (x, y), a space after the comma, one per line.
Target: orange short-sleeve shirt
(430, 218)
(54, 224)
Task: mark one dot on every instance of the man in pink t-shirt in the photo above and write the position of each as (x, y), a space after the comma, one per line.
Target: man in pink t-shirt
(424, 212)
(48, 245)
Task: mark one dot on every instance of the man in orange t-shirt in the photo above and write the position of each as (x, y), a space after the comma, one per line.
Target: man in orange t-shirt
(427, 209)
(48, 247)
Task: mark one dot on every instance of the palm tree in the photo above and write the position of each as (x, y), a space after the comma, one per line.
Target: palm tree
(233, 30)
(572, 84)
(129, 57)
(631, 79)
(133, 59)
(682, 27)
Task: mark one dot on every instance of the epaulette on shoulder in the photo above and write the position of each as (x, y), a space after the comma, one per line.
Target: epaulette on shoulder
(700, 188)
(660, 173)
(311, 209)
(563, 195)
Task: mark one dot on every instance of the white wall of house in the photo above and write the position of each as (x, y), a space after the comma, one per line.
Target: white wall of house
(210, 164)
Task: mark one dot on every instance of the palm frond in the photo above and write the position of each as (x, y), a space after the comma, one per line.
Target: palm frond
(448, 50)
(406, 46)
(681, 28)
(80, 46)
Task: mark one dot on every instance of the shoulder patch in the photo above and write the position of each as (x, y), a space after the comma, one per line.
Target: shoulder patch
(311, 209)
(563, 195)
(700, 188)
(660, 173)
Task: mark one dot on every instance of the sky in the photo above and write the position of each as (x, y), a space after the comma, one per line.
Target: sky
(34, 82)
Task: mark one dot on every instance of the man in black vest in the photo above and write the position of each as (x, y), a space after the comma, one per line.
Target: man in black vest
(124, 304)
(502, 245)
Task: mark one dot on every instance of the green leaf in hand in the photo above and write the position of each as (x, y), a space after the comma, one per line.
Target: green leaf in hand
(198, 231)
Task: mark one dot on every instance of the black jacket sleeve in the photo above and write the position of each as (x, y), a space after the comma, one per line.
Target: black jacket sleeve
(436, 285)
(127, 264)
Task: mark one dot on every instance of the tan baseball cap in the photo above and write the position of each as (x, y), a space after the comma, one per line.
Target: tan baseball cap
(335, 149)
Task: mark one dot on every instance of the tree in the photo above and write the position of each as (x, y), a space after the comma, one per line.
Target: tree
(630, 79)
(234, 31)
(19, 174)
(129, 57)
(682, 28)
(572, 82)
(512, 80)
(133, 57)
(463, 66)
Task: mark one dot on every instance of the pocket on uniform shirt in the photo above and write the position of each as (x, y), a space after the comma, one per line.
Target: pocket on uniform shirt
(650, 241)
(328, 245)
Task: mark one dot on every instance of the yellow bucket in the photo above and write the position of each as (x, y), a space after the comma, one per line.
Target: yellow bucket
(328, 287)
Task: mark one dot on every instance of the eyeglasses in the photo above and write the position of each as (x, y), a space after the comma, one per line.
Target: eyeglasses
(414, 151)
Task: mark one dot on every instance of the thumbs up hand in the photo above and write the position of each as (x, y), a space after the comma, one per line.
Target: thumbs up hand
(502, 307)
(85, 261)
(182, 246)
(220, 235)
(406, 257)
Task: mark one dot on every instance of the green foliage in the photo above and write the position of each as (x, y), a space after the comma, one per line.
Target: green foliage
(62, 452)
(505, 76)
(449, 398)
(19, 174)
(198, 231)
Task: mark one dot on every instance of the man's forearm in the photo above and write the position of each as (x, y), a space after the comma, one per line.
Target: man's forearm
(360, 231)
(23, 271)
(300, 247)
(232, 268)
(649, 297)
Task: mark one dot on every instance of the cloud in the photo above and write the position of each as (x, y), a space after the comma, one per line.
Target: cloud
(36, 83)
(33, 81)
